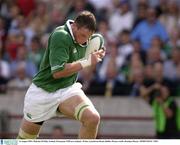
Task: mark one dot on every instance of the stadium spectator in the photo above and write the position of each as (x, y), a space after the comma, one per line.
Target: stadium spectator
(99, 5)
(40, 17)
(44, 40)
(107, 71)
(13, 18)
(161, 8)
(36, 51)
(158, 74)
(103, 29)
(173, 42)
(124, 16)
(62, 5)
(170, 66)
(136, 80)
(148, 29)
(157, 78)
(154, 55)
(170, 19)
(5, 67)
(57, 132)
(137, 49)
(157, 43)
(125, 46)
(165, 111)
(2, 31)
(5, 8)
(111, 73)
(4, 72)
(13, 42)
(78, 6)
(134, 63)
(20, 82)
(141, 13)
(148, 72)
(31, 68)
(56, 19)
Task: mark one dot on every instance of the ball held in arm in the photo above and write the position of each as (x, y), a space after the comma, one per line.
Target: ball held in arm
(96, 43)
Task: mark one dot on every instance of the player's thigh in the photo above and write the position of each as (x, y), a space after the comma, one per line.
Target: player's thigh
(30, 127)
(68, 106)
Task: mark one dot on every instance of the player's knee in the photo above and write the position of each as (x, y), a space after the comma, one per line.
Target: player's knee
(92, 119)
(87, 114)
(79, 110)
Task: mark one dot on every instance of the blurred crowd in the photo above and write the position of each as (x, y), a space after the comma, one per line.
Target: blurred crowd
(142, 38)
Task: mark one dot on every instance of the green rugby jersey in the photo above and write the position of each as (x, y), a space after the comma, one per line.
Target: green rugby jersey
(61, 49)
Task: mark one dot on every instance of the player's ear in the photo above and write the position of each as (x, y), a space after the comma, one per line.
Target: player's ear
(75, 27)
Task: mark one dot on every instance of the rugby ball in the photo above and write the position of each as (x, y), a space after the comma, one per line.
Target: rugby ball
(96, 42)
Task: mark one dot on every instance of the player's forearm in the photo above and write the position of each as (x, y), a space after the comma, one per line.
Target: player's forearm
(70, 68)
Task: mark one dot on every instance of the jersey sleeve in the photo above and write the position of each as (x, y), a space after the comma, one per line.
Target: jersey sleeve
(59, 51)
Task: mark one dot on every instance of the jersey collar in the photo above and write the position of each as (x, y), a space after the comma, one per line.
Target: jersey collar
(68, 23)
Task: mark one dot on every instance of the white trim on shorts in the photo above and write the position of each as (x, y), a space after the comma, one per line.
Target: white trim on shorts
(40, 105)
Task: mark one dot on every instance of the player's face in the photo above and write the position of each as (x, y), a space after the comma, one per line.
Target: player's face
(82, 34)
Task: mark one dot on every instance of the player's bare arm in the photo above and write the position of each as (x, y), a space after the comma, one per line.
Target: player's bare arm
(71, 68)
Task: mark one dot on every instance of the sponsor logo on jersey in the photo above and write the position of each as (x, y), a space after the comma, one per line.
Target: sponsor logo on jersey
(74, 50)
(29, 115)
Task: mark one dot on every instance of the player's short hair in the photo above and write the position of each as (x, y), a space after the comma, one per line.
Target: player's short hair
(86, 19)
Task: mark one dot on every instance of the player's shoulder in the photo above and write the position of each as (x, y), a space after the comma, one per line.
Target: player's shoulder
(61, 32)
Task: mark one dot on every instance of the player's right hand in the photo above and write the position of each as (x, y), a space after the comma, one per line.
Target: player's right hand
(97, 56)
(93, 58)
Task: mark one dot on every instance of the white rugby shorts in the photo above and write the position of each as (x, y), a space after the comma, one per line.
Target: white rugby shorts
(40, 105)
